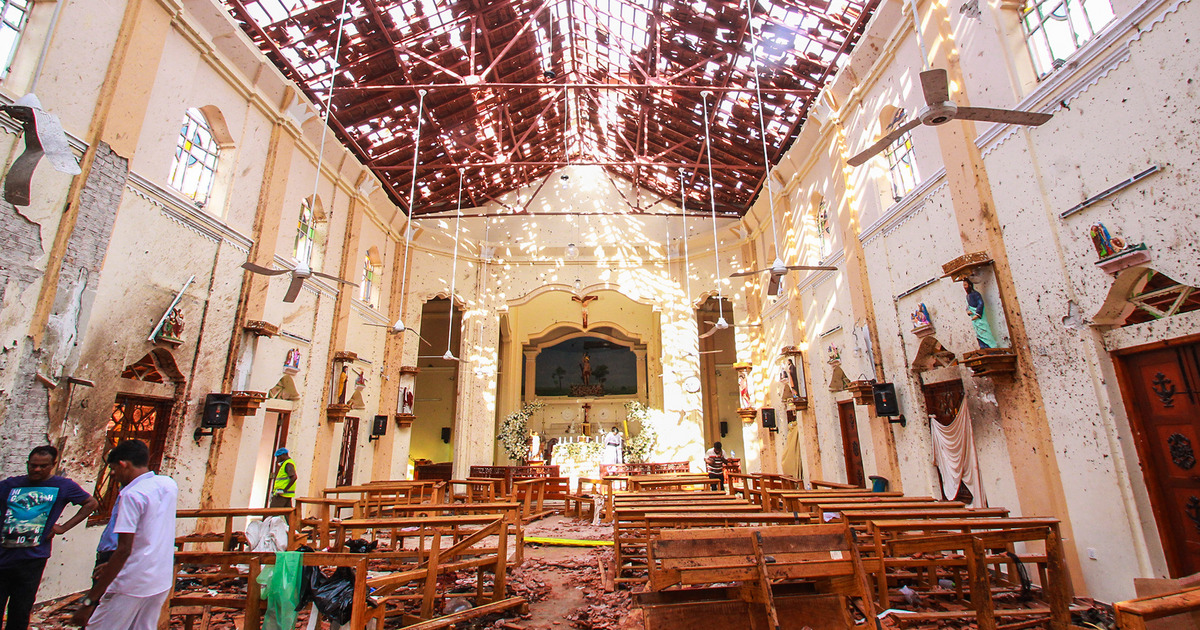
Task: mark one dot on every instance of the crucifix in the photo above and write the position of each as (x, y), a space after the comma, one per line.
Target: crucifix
(583, 305)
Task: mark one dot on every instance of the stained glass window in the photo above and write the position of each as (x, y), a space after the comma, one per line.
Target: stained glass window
(13, 16)
(195, 158)
(368, 278)
(1055, 29)
(823, 231)
(902, 168)
(306, 234)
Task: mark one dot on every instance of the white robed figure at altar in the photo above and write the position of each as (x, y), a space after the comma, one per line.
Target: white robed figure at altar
(614, 445)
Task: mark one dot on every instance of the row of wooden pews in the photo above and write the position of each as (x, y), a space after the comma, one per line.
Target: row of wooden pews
(922, 561)
(409, 535)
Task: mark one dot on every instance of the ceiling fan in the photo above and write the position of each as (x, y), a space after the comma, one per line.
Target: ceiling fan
(939, 110)
(398, 327)
(300, 273)
(778, 270)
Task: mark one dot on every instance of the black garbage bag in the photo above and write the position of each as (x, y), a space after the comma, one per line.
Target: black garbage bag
(333, 595)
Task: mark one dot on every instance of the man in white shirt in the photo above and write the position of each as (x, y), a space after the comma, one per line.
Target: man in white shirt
(130, 591)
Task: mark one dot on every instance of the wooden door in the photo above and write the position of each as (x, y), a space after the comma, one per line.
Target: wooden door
(1162, 398)
(854, 463)
(345, 472)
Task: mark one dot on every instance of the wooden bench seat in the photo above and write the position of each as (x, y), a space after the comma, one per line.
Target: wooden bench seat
(761, 557)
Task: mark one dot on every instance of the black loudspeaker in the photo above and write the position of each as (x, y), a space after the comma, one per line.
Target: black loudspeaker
(768, 417)
(885, 400)
(446, 434)
(724, 428)
(379, 426)
(216, 411)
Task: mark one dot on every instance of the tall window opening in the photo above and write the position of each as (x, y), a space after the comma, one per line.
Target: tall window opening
(902, 169)
(196, 157)
(133, 418)
(370, 276)
(306, 234)
(13, 16)
(1055, 29)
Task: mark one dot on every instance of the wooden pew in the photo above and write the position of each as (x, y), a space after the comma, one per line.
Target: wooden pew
(314, 530)
(231, 540)
(630, 537)
(676, 483)
(976, 547)
(511, 512)
(760, 557)
(200, 604)
(776, 499)
(474, 490)
(587, 490)
(892, 539)
(1132, 614)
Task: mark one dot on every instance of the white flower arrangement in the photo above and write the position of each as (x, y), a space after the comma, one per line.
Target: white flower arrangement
(514, 432)
(637, 449)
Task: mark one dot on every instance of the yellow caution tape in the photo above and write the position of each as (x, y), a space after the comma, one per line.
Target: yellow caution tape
(565, 542)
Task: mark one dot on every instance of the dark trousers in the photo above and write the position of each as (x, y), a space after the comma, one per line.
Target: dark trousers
(18, 589)
(719, 477)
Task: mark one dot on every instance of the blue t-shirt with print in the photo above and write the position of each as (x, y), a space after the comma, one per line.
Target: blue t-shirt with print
(29, 510)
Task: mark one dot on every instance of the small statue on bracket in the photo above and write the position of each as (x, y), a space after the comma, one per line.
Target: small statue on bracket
(835, 354)
(976, 310)
(920, 317)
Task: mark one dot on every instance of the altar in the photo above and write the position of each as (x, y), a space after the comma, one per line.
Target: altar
(578, 456)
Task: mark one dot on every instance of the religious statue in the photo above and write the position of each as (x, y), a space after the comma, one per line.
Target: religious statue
(614, 448)
(744, 389)
(172, 327)
(791, 382)
(835, 354)
(585, 369)
(292, 361)
(342, 378)
(583, 310)
(535, 446)
(1106, 245)
(976, 311)
(920, 317)
(406, 401)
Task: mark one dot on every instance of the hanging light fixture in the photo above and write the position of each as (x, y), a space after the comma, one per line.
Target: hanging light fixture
(572, 251)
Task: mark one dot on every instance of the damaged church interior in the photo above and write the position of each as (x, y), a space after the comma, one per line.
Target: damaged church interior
(600, 314)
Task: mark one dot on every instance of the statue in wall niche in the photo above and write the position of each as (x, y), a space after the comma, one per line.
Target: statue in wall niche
(976, 310)
(585, 369)
(292, 361)
(1106, 245)
(744, 389)
(835, 354)
(342, 378)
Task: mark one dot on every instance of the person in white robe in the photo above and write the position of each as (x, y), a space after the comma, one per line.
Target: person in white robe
(614, 444)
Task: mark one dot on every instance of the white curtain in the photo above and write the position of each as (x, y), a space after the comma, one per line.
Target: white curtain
(954, 454)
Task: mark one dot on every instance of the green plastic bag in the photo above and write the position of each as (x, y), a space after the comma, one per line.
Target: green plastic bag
(281, 588)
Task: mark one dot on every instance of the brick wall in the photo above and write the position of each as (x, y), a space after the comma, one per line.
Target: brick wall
(25, 409)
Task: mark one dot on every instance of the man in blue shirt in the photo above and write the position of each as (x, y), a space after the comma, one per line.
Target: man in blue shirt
(30, 505)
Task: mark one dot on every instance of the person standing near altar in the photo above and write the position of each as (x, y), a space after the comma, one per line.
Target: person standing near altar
(614, 444)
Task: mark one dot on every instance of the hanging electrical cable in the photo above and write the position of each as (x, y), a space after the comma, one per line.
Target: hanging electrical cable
(720, 324)
(412, 207)
(449, 356)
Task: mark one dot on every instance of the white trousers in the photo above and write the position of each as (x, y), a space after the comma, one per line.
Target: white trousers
(118, 611)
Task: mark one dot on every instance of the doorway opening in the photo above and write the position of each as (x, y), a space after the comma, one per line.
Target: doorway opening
(850, 444)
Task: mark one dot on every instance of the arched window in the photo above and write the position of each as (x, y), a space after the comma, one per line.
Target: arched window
(13, 16)
(902, 168)
(195, 157)
(306, 233)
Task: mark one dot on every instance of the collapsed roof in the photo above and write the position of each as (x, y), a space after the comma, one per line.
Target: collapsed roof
(517, 89)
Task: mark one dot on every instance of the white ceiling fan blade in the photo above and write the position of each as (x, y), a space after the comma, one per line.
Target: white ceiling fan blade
(1009, 116)
(377, 325)
(266, 271)
(711, 331)
(883, 142)
(294, 289)
(418, 336)
(747, 273)
(935, 84)
(811, 268)
(334, 278)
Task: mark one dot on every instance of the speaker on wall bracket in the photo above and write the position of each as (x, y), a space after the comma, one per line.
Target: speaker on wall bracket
(215, 416)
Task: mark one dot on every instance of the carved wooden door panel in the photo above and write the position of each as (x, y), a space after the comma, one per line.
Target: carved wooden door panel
(345, 471)
(854, 462)
(1163, 400)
